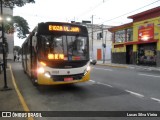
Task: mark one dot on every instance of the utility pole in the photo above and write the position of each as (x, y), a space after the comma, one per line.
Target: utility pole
(92, 39)
(92, 36)
(103, 44)
(4, 51)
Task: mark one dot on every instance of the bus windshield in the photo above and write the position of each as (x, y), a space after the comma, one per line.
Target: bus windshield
(63, 47)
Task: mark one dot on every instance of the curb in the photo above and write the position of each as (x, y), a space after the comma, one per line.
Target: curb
(116, 66)
(135, 67)
(21, 98)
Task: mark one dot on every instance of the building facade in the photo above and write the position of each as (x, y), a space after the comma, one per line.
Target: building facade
(100, 41)
(138, 42)
(9, 37)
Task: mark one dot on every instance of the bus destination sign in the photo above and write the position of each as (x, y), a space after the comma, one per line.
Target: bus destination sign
(63, 28)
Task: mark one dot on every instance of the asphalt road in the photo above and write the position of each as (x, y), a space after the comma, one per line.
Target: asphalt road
(110, 89)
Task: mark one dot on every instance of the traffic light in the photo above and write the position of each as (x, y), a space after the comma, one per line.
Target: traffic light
(104, 45)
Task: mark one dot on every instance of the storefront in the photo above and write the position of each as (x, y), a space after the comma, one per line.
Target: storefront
(147, 54)
(138, 42)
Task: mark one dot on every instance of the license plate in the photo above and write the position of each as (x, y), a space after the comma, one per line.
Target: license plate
(68, 79)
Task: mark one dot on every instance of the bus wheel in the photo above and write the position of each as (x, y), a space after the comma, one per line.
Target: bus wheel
(34, 81)
(24, 71)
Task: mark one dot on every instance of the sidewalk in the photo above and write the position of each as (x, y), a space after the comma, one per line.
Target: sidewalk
(108, 63)
(8, 98)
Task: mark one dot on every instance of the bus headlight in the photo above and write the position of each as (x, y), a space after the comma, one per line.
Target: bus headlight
(40, 70)
(87, 69)
(47, 74)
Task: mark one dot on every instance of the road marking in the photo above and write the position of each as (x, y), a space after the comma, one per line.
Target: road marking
(100, 83)
(155, 99)
(134, 93)
(103, 69)
(92, 81)
(104, 84)
(24, 105)
(148, 75)
(132, 67)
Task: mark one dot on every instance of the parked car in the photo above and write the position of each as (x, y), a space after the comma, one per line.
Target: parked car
(92, 61)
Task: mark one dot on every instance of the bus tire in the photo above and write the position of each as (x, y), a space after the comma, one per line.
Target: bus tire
(34, 81)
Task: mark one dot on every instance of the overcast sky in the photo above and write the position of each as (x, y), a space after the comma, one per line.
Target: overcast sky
(108, 12)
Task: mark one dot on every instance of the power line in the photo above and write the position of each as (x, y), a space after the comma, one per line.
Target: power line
(129, 12)
(96, 6)
(126, 14)
(96, 30)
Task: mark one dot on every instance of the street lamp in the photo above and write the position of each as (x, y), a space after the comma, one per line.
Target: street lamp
(4, 52)
(8, 19)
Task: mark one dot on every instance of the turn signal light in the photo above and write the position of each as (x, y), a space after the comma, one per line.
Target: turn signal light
(42, 63)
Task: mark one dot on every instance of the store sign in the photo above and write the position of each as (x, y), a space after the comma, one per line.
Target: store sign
(146, 32)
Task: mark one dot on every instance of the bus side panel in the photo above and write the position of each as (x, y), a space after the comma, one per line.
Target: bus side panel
(24, 62)
(26, 57)
(28, 65)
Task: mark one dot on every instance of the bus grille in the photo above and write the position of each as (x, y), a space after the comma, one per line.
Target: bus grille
(58, 78)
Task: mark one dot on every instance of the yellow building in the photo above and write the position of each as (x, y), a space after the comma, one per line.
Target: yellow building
(138, 42)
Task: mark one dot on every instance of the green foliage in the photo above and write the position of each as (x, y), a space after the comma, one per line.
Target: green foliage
(18, 49)
(19, 3)
(21, 26)
(8, 25)
(17, 24)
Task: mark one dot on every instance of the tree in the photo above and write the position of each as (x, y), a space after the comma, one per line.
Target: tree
(19, 25)
(19, 3)
(17, 48)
